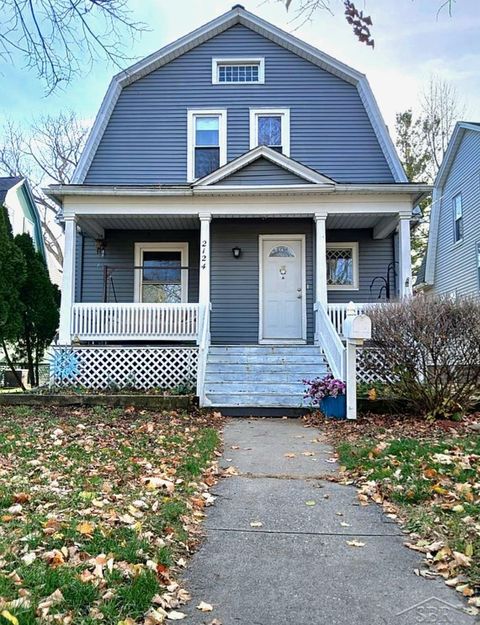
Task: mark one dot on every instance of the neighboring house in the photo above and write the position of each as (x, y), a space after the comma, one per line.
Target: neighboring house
(16, 196)
(238, 189)
(452, 262)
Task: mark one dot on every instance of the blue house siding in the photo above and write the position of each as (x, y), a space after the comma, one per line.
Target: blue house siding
(145, 141)
(456, 263)
(234, 282)
(262, 172)
(120, 253)
(374, 257)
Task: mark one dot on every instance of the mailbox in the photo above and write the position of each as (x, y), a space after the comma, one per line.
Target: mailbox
(357, 327)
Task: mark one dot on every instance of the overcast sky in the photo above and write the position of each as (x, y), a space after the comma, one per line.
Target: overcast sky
(412, 43)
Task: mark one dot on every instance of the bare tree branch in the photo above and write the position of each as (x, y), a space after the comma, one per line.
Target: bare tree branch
(61, 38)
(47, 152)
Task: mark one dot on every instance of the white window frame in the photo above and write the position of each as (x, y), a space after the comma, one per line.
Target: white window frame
(455, 219)
(238, 60)
(343, 245)
(283, 113)
(140, 248)
(192, 115)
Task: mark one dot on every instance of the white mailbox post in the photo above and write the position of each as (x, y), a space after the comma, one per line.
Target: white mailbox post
(356, 330)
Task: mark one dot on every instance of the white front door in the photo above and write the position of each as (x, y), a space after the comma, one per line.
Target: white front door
(282, 289)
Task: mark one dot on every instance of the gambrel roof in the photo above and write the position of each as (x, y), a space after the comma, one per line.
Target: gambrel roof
(238, 15)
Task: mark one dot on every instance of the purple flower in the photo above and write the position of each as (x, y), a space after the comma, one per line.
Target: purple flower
(318, 388)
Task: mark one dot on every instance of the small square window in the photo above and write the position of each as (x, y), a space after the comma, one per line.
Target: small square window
(457, 218)
(235, 70)
(342, 266)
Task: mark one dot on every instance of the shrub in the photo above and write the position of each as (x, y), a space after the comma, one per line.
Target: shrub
(430, 352)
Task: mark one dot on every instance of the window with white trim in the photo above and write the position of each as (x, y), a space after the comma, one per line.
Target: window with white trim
(238, 70)
(342, 266)
(207, 142)
(457, 218)
(161, 273)
(270, 127)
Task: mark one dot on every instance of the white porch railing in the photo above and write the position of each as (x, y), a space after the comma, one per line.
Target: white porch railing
(338, 312)
(135, 322)
(330, 341)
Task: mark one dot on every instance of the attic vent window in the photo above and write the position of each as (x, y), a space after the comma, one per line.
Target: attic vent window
(233, 71)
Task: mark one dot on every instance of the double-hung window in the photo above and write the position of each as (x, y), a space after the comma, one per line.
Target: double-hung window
(161, 273)
(342, 266)
(270, 127)
(457, 218)
(207, 142)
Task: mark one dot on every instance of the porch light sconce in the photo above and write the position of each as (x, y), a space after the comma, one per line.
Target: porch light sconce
(237, 252)
(101, 245)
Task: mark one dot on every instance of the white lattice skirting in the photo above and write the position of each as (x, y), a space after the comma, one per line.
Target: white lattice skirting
(368, 374)
(124, 367)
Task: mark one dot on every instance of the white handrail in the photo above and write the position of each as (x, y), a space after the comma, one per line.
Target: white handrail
(329, 340)
(203, 347)
(135, 322)
(338, 312)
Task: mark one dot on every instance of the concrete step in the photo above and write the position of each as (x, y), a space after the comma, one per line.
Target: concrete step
(267, 388)
(264, 349)
(300, 359)
(266, 376)
(260, 400)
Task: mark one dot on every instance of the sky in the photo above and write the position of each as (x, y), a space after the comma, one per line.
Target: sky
(412, 44)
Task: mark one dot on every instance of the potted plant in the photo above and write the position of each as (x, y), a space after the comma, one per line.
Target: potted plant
(328, 394)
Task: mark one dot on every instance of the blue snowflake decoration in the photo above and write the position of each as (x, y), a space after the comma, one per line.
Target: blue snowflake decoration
(64, 365)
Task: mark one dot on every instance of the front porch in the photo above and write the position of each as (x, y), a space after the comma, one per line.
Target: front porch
(158, 287)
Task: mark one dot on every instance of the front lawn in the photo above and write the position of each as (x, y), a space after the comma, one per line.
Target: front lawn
(428, 477)
(98, 510)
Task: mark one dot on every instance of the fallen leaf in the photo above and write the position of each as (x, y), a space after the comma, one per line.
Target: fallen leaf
(290, 455)
(9, 617)
(256, 524)
(204, 607)
(310, 502)
(175, 616)
(85, 527)
(355, 543)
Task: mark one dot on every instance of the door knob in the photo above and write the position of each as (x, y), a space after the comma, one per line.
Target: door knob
(299, 290)
(299, 296)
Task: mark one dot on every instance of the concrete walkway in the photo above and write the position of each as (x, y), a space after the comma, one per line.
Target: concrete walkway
(297, 568)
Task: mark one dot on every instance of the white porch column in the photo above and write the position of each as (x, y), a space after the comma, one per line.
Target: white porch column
(321, 260)
(68, 280)
(204, 281)
(405, 257)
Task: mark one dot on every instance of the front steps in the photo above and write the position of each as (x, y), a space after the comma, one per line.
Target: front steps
(263, 376)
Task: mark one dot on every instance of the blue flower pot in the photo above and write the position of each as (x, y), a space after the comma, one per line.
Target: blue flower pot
(334, 407)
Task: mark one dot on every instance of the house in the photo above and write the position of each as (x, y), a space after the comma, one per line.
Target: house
(16, 196)
(452, 262)
(239, 187)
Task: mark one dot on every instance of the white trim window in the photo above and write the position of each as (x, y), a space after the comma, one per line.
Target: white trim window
(342, 266)
(238, 71)
(207, 141)
(457, 218)
(270, 127)
(161, 273)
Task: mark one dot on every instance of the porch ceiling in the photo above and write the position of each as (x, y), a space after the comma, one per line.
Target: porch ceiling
(343, 222)
(167, 222)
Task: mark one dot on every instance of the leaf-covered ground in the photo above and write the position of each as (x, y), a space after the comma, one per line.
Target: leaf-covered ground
(427, 476)
(98, 511)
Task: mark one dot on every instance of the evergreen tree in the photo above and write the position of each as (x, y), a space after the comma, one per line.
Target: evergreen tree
(40, 308)
(12, 278)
